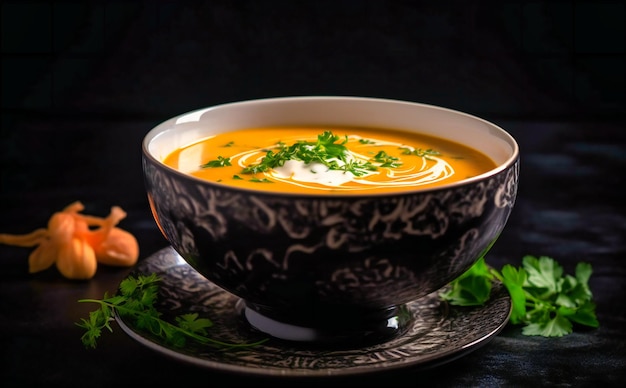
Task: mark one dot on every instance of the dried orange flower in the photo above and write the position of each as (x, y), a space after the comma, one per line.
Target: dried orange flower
(76, 243)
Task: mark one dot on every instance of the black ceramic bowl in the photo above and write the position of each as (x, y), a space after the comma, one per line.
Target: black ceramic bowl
(330, 268)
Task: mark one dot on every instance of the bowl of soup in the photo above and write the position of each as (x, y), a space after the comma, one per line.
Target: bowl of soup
(327, 215)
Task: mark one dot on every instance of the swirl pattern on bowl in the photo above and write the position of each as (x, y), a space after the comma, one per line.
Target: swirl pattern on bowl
(371, 251)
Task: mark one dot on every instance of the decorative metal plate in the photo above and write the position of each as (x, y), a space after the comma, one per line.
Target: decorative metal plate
(440, 333)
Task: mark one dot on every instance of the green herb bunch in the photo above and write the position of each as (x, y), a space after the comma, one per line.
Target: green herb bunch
(136, 300)
(544, 300)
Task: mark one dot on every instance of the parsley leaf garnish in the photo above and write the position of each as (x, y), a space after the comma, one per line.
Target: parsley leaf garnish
(136, 300)
(544, 300)
(219, 162)
(420, 152)
(386, 160)
(260, 180)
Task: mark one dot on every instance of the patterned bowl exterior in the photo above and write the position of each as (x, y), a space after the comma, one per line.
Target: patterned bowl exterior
(285, 251)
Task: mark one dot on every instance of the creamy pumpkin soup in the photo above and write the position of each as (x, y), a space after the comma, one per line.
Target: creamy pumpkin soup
(332, 160)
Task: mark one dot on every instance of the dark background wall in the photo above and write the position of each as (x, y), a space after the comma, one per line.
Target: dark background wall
(155, 59)
(83, 81)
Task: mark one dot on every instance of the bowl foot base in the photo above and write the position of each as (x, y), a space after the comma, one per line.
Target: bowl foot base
(336, 328)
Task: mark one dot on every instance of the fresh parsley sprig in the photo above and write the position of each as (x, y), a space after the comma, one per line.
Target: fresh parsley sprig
(420, 152)
(136, 300)
(544, 300)
(387, 160)
(219, 162)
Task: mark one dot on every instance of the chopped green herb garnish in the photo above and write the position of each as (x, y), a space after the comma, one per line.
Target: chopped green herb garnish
(136, 300)
(358, 168)
(386, 160)
(260, 180)
(420, 152)
(219, 162)
(329, 149)
(229, 144)
(545, 301)
(237, 177)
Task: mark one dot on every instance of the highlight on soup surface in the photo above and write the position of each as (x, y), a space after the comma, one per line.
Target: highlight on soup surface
(328, 160)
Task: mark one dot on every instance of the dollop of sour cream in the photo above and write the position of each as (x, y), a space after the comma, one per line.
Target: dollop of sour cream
(312, 173)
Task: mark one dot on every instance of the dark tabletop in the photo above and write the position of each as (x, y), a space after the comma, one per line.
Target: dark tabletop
(83, 82)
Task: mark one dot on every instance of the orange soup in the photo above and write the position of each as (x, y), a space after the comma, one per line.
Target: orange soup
(328, 160)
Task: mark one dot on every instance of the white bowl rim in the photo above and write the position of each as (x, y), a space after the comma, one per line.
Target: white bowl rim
(167, 125)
